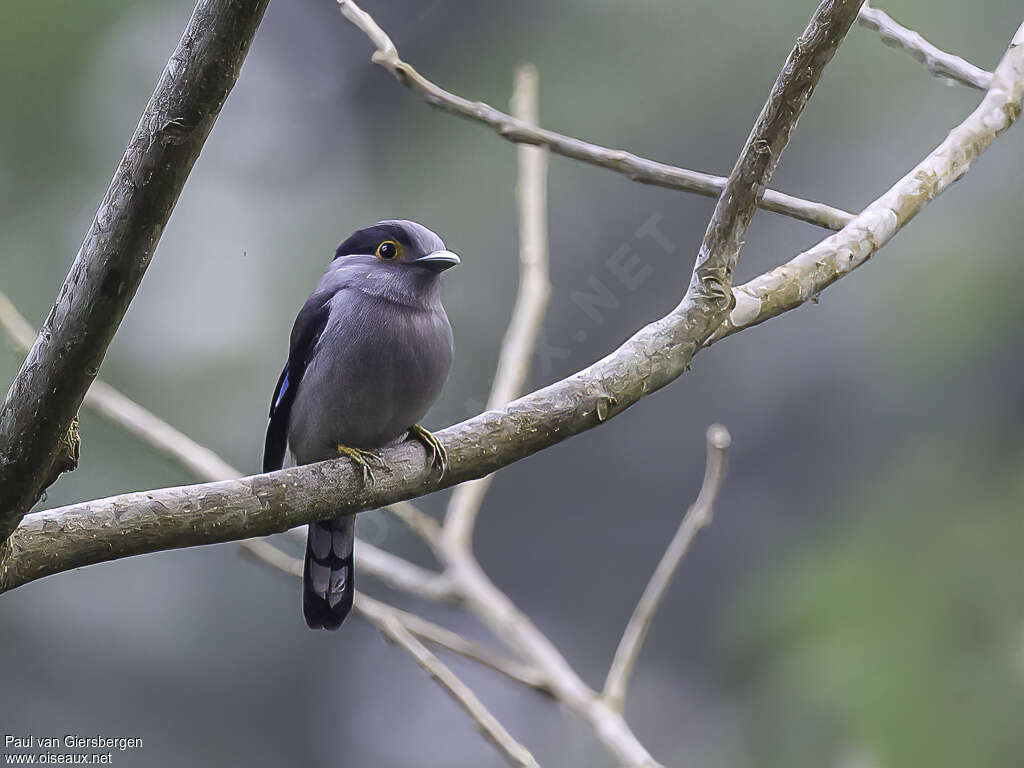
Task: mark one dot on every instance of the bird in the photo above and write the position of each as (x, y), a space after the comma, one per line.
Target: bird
(369, 353)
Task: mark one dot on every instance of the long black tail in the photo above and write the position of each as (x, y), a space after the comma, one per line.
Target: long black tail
(328, 580)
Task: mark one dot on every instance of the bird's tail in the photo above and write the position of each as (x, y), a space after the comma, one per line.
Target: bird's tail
(328, 583)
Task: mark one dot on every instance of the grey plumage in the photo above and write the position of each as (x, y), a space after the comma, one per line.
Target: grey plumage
(370, 352)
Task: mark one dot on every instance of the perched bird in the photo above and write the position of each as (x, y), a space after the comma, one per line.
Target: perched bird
(370, 351)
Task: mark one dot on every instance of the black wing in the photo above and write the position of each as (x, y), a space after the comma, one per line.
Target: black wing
(305, 333)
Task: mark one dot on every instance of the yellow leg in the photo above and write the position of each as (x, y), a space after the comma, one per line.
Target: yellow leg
(437, 451)
(365, 459)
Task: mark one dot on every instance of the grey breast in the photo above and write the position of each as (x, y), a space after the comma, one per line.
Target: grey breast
(378, 367)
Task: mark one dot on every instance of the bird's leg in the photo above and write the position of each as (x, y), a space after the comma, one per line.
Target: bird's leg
(365, 459)
(436, 449)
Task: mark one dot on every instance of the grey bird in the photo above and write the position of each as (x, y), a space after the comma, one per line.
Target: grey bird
(370, 351)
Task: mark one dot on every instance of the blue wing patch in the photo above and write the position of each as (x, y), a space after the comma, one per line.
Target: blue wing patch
(306, 332)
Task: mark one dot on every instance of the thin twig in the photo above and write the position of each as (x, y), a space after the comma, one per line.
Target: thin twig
(127, 414)
(417, 521)
(508, 127)
(393, 629)
(531, 298)
(456, 643)
(938, 62)
(697, 517)
(398, 628)
(263, 550)
(398, 573)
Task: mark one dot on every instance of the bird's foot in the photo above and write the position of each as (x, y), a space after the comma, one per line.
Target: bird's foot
(435, 448)
(366, 460)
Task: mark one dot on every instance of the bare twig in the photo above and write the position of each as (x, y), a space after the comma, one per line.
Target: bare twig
(45, 397)
(806, 275)
(531, 298)
(127, 414)
(938, 62)
(398, 573)
(520, 131)
(697, 517)
(417, 521)
(21, 334)
(456, 643)
(393, 629)
(396, 627)
(263, 550)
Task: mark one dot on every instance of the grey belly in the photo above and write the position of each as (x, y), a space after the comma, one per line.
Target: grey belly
(373, 376)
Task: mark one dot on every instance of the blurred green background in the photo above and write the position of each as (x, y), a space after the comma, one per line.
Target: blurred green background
(858, 601)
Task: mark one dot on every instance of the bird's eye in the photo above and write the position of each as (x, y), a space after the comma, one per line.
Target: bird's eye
(389, 250)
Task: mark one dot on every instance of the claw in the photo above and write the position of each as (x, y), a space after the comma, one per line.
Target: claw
(438, 453)
(365, 459)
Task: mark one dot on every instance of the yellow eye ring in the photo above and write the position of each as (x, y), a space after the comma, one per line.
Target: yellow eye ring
(389, 250)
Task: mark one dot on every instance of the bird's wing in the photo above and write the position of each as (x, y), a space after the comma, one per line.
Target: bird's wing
(309, 324)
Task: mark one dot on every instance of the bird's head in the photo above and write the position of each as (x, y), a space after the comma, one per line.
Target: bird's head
(398, 260)
(397, 245)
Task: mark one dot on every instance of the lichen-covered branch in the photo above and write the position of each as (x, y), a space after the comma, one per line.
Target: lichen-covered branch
(806, 275)
(935, 60)
(44, 398)
(637, 168)
(696, 518)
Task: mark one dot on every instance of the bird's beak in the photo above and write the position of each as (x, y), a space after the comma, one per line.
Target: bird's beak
(438, 261)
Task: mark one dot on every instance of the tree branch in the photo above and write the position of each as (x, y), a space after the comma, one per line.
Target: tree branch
(938, 62)
(637, 168)
(705, 304)
(267, 553)
(393, 629)
(398, 573)
(65, 358)
(712, 274)
(456, 643)
(696, 518)
(806, 275)
(106, 529)
(531, 298)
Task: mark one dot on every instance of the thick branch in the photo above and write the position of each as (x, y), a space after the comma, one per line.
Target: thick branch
(521, 131)
(53, 380)
(106, 529)
(805, 276)
(696, 518)
(935, 60)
